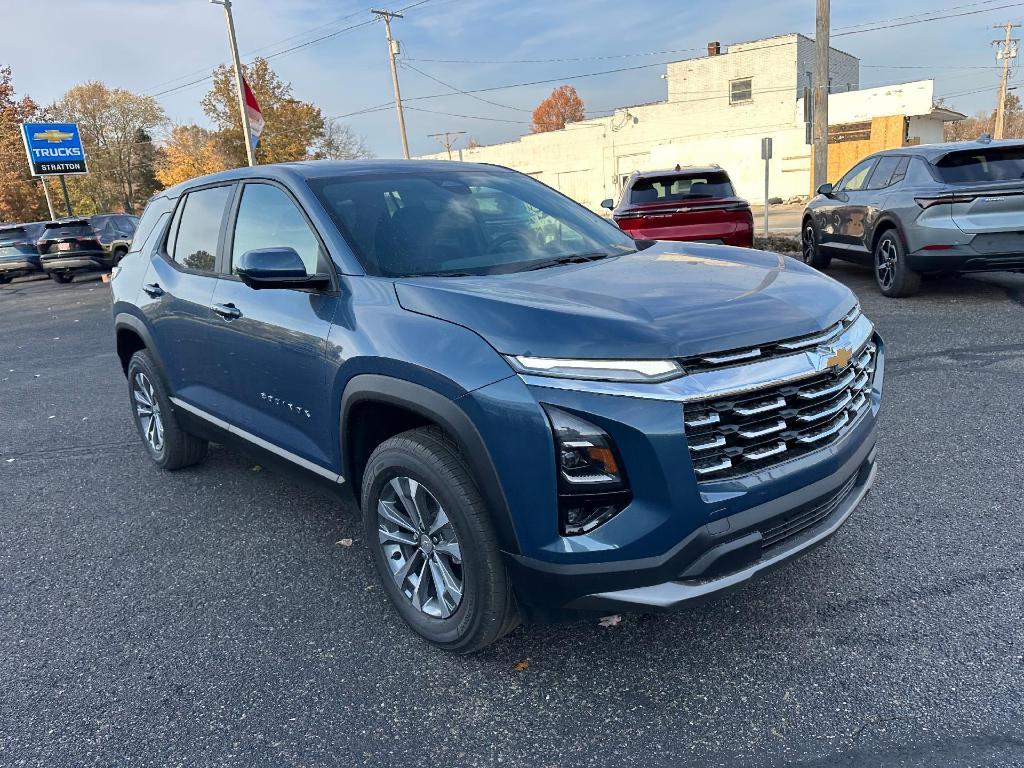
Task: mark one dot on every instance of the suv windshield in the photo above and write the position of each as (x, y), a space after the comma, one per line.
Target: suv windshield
(462, 222)
(681, 186)
(995, 164)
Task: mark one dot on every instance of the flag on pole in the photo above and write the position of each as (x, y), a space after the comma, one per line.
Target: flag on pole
(253, 115)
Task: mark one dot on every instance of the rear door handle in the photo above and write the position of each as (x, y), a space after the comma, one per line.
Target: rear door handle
(227, 311)
(153, 290)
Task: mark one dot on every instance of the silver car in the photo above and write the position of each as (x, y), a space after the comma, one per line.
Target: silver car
(955, 207)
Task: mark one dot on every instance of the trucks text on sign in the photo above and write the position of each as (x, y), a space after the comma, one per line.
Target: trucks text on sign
(54, 148)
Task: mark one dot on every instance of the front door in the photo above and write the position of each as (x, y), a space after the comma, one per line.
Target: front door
(841, 224)
(271, 342)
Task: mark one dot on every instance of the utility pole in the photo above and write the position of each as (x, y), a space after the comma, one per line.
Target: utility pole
(393, 51)
(238, 79)
(1006, 49)
(448, 142)
(821, 89)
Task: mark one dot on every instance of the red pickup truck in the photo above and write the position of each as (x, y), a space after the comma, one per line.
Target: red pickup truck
(684, 203)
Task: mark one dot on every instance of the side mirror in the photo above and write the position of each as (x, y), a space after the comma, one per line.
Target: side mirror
(276, 268)
(826, 190)
(609, 204)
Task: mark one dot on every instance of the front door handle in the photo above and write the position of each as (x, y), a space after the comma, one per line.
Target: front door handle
(153, 290)
(227, 311)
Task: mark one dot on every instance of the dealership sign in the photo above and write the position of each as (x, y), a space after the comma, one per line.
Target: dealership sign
(54, 148)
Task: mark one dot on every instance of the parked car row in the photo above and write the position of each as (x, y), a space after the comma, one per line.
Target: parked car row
(64, 247)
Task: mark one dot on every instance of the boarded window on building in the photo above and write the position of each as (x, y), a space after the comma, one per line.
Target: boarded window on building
(741, 90)
(849, 132)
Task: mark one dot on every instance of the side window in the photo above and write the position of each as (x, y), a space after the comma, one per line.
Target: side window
(198, 229)
(855, 179)
(267, 218)
(881, 177)
(151, 217)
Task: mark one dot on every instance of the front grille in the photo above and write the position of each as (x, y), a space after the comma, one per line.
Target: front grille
(781, 528)
(718, 360)
(733, 436)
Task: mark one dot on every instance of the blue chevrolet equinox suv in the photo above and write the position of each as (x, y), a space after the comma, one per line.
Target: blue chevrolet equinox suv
(538, 415)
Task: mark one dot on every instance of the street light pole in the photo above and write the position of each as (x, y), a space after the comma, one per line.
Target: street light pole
(247, 137)
(392, 52)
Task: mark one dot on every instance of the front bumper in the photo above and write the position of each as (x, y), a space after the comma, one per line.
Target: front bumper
(719, 556)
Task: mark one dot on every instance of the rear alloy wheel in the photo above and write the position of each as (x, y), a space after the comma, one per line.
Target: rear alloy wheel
(170, 446)
(812, 254)
(433, 542)
(894, 278)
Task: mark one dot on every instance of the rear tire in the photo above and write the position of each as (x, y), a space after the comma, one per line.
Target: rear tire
(420, 507)
(812, 255)
(4, 279)
(892, 275)
(118, 255)
(62, 277)
(170, 446)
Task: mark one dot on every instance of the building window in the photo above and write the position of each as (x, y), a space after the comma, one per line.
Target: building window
(741, 91)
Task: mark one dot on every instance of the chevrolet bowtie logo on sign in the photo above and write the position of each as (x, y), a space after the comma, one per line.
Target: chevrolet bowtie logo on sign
(54, 148)
(53, 136)
(836, 357)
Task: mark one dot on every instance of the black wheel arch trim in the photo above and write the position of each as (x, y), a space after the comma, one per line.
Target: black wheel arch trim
(449, 416)
(127, 321)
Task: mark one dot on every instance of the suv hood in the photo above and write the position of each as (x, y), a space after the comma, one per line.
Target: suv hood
(670, 300)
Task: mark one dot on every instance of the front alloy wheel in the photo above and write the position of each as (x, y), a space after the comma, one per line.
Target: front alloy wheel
(421, 547)
(433, 542)
(812, 254)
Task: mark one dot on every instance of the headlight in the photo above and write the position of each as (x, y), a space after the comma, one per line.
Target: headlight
(592, 485)
(600, 370)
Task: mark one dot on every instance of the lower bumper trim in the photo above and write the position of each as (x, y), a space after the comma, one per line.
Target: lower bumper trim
(673, 594)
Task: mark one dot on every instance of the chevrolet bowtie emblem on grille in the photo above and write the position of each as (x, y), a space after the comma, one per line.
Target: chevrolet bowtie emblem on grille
(836, 357)
(53, 136)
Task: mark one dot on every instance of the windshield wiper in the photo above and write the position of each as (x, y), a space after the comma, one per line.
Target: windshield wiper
(573, 258)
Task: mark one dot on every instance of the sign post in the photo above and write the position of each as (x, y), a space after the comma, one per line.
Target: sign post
(54, 149)
(766, 155)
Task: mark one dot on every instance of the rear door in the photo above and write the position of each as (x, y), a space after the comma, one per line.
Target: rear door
(177, 293)
(987, 185)
(270, 344)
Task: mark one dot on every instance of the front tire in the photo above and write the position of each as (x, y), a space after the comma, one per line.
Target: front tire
(811, 250)
(892, 275)
(170, 446)
(433, 543)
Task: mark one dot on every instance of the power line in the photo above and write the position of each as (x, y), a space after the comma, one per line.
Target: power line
(456, 89)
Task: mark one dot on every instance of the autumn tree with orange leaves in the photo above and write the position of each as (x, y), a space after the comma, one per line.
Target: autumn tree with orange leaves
(563, 106)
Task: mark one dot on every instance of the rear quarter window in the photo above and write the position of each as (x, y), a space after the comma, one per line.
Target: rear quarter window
(152, 216)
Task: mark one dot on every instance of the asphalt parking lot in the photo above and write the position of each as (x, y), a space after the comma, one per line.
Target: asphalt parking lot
(210, 616)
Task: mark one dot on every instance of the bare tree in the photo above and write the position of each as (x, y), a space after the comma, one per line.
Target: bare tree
(339, 142)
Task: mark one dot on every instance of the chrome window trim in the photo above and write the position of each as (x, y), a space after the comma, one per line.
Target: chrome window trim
(258, 441)
(723, 382)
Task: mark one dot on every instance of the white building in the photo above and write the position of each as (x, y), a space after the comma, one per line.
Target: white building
(717, 111)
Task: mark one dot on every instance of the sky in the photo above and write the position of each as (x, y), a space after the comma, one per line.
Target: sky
(153, 46)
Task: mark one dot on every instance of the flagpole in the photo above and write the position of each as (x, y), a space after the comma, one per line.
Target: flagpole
(238, 79)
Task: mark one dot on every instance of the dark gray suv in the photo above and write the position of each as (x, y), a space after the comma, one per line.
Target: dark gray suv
(955, 207)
